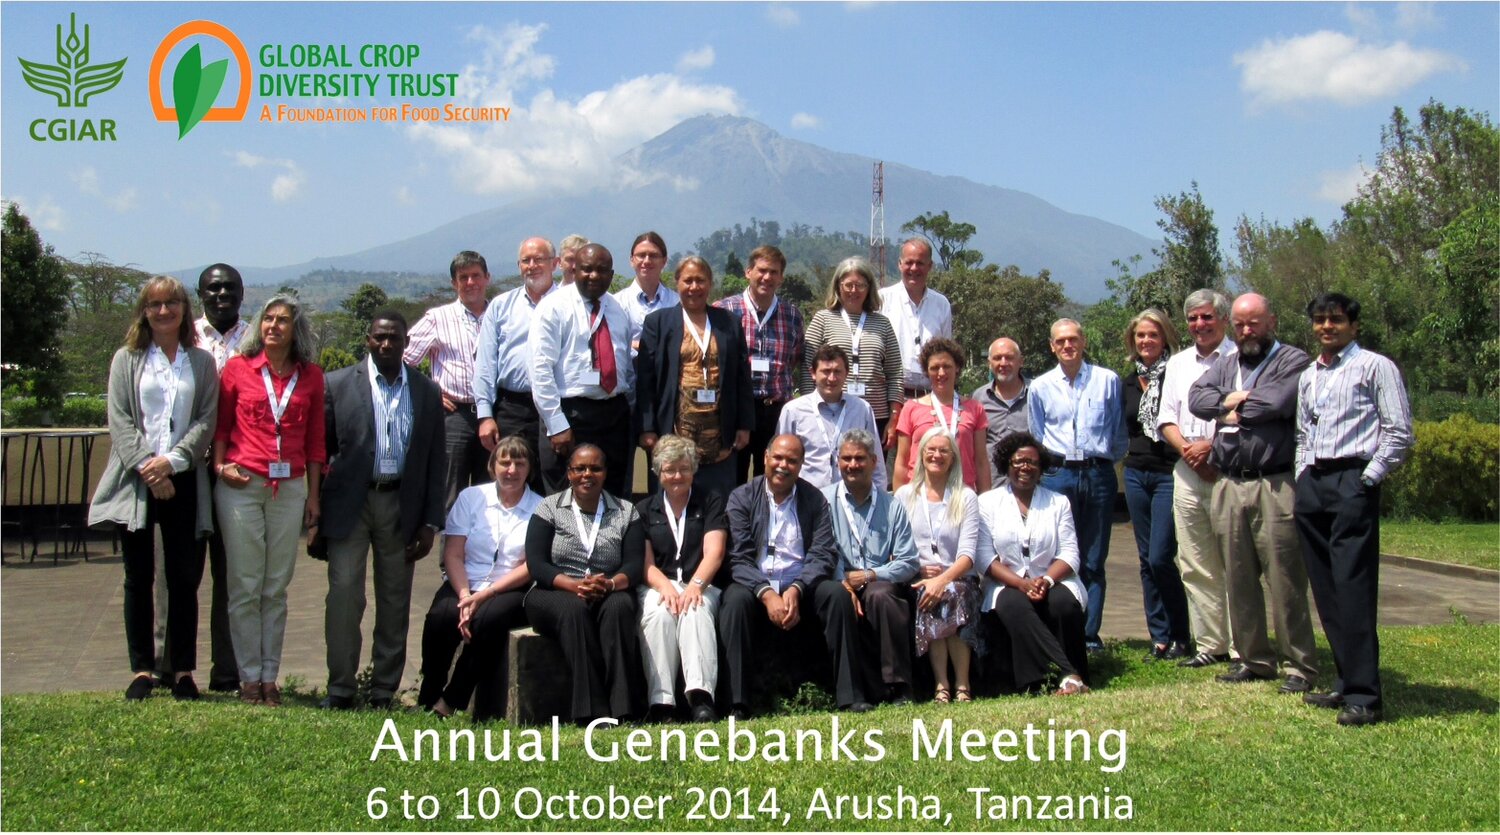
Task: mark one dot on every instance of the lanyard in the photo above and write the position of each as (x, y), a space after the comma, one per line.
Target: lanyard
(278, 407)
(915, 315)
(932, 527)
(1247, 383)
(499, 535)
(950, 427)
(169, 377)
(391, 408)
(833, 439)
(779, 517)
(760, 323)
(857, 330)
(678, 526)
(587, 536)
(863, 531)
(702, 342)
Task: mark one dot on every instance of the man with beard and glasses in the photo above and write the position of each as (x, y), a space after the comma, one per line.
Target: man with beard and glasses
(1253, 396)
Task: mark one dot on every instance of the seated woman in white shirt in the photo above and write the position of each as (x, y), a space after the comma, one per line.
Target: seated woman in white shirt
(484, 561)
(1030, 570)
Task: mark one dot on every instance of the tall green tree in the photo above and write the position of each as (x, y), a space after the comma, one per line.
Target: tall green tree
(33, 310)
(994, 301)
(1188, 259)
(949, 239)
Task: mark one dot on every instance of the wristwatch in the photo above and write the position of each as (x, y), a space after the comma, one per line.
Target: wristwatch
(700, 583)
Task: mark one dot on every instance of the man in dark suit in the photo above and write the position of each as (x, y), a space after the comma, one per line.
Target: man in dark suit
(782, 556)
(384, 488)
(721, 394)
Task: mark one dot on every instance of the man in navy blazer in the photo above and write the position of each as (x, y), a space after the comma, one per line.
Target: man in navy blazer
(659, 383)
(384, 488)
(782, 556)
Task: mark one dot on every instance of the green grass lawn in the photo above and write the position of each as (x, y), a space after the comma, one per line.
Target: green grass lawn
(1199, 755)
(1465, 543)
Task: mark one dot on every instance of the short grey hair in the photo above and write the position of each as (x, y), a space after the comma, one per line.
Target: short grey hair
(551, 253)
(1206, 296)
(671, 449)
(572, 242)
(862, 437)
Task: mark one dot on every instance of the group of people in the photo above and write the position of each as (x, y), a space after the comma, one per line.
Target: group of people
(876, 518)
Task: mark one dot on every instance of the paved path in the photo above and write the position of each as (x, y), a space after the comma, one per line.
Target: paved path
(61, 627)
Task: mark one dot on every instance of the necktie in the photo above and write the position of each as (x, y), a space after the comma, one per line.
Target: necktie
(604, 349)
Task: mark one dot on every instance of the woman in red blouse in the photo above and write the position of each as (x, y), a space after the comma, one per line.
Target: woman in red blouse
(270, 434)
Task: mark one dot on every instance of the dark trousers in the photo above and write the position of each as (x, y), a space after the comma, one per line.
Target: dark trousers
(1338, 523)
(1041, 635)
(825, 608)
(178, 519)
(479, 672)
(1148, 495)
(468, 460)
(886, 639)
(601, 641)
(515, 413)
(605, 424)
(1091, 494)
(752, 459)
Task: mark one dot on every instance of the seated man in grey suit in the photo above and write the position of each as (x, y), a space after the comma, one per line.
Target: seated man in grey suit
(782, 556)
(385, 486)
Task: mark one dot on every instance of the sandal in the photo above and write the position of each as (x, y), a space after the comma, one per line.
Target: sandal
(963, 694)
(1071, 686)
(940, 695)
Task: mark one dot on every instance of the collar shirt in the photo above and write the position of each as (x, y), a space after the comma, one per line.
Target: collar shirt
(1005, 418)
(562, 358)
(915, 324)
(782, 560)
(775, 342)
(940, 542)
(873, 535)
(503, 356)
(494, 535)
(450, 335)
(221, 345)
(393, 416)
(246, 419)
(1353, 407)
(705, 513)
(1265, 438)
(1079, 419)
(166, 392)
(638, 306)
(819, 425)
(1183, 369)
(1027, 546)
(570, 553)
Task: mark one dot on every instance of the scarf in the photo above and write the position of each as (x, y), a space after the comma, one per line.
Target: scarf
(1151, 397)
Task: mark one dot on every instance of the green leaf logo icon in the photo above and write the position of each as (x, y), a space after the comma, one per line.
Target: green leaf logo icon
(72, 80)
(194, 88)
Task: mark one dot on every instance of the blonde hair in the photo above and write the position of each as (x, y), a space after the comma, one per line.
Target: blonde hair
(1163, 324)
(954, 488)
(138, 336)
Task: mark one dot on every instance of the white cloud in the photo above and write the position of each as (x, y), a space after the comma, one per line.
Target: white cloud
(1362, 17)
(44, 213)
(122, 202)
(1416, 17)
(805, 121)
(696, 59)
(1334, 66)
(284, 186)
(782, 15)
(405, 197)
(87, 180)
(1341, 186)
(553, 143)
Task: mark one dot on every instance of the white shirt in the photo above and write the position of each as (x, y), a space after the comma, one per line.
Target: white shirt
(782, 559)
(1183, 369)
(560, 356)
(914, 325)
(637, 306)
(818, 424)
(221, 345)
(161, 380)
(1047, 534)
(478, 516)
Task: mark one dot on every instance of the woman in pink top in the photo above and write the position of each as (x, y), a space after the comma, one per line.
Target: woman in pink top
(961, 417)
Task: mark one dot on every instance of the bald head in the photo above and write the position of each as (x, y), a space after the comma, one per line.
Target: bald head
(1005, 361)
(1254, 324)
(783, 464)
(537, 263)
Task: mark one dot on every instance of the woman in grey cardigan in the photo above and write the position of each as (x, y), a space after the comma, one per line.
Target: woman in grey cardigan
(163, 401)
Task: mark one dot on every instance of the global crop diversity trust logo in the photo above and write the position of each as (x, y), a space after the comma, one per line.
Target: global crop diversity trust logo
(196, 85)
(73, 80)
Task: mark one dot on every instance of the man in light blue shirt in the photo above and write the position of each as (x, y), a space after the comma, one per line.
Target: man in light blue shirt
(1076, 411)
(821, 417)
(878, 562)
(502, 364)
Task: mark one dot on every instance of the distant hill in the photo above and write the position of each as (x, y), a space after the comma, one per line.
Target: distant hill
(711, 172)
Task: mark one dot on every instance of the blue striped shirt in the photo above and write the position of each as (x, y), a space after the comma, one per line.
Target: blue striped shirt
(1353, 407)
(1084, 418)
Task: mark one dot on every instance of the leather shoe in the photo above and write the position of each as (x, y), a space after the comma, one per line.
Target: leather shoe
(1204, 659)
(861, 707)
(139, 689)
(380, 703)
(704, 713)
(1157, 652)
(185, 689)
(1354, 715)
(899, 694)
(1295, 684)
(223, 685)
(332, 702)
(1176, 650)
(1241, 673)
(739, 712)
(1331, 700)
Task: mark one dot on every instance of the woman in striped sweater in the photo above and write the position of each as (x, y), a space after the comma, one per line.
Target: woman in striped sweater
(851, 319)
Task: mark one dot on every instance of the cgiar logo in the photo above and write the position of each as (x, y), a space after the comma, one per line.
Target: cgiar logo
(73, 80)
(196, 85)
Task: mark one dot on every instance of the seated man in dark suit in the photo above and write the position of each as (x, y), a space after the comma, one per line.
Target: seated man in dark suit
(782, 558)
(385, 489)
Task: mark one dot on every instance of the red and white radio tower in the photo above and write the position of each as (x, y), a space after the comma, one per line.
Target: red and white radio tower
(877, 223)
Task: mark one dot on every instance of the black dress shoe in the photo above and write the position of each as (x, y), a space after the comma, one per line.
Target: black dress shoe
(659, 713)
(898, 694)
(739, 712)
(1204, 659)
(1241, 673)
(1295, 684)
(139, 689)
(185, 689)
(225, 686)
(704, 713)
(1157, 652)
(1355, 715)
(1176, 650)
(336, 703)
(861, 707)
(1331, 700)
(380, 703)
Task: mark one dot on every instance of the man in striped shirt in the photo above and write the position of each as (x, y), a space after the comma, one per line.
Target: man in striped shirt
(1353, 429)
(449, 334)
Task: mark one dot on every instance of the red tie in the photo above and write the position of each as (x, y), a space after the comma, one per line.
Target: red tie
(604, 349)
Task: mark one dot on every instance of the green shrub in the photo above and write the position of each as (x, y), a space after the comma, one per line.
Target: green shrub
(20, 410)
(332, 359)
(1453, 473)
(1441, 405)
(24, 412)
(83, 411)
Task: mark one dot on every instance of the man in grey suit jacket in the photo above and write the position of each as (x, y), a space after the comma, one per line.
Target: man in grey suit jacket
(385, 488)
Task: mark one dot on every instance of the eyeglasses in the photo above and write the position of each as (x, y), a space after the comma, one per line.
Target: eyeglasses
(170, 304)
(1026, 463)
(1202, 317)
(585, 468)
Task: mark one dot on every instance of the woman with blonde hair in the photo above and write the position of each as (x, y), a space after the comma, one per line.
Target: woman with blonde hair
(851, 319)
(163, 402)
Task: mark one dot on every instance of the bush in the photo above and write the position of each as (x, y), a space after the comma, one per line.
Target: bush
(1441, 405)
(75, 412)
(1452, 473)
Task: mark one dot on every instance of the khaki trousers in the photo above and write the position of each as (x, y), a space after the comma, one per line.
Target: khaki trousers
(1200, 560)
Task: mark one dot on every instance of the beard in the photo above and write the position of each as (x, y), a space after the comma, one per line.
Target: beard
(1253, 347)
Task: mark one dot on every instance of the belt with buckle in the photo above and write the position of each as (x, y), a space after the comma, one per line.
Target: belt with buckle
(1087, 464)
(1334, 465)
(1248, 474)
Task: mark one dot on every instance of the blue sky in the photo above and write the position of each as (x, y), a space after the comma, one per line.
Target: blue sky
(1096, 108)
